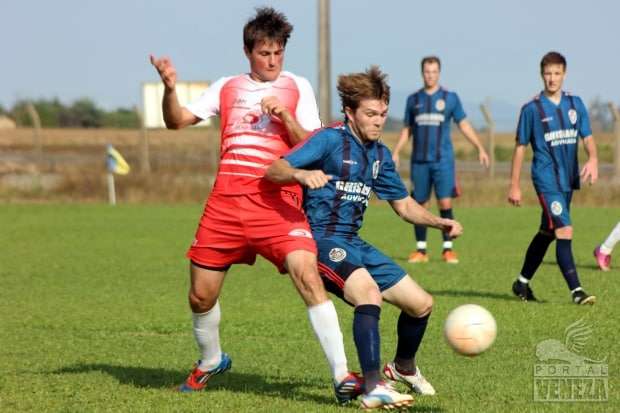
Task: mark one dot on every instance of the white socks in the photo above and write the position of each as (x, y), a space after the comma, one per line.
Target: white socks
(447, 245)
(421, 245)
(611, 240)
(325, 324)
(207, 334)
(522, 279)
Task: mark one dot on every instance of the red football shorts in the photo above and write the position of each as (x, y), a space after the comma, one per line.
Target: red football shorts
(234, 228)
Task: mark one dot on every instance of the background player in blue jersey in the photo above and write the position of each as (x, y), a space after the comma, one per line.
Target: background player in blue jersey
(342, 165)
(552, 122)
(427, 119)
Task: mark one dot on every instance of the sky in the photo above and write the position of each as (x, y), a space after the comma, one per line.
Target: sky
(490, 50)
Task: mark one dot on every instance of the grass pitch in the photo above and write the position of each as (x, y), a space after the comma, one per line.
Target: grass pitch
(94, 316)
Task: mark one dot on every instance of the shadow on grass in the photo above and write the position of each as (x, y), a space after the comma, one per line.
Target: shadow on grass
(157, 378)
(479, 294)
(581, 266)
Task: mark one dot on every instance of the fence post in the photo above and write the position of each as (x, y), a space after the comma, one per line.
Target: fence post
(36, 125)
(484, 107)
(616, 117)
(145, 158)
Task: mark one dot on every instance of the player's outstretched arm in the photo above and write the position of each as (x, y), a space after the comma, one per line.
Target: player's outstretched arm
(514, 193)
(590, 169)
(272, 106)
(409, 210)
(402, 140)
(471, 135)
(175, 116)
(282, 172)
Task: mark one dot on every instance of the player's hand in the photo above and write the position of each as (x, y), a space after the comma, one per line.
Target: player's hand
(312, 179)
(453, 228)
(483, 157)
(514, 196)
(396, 160)
(590, 171)
(166, 71)
(272, 106)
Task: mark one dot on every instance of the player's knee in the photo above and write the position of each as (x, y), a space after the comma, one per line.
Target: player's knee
(201, 302)
(427, 306)
(564, 232)
(422, 307)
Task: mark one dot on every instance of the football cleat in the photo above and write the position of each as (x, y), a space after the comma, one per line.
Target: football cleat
(197, 379)
(415, 381)
(417, 257)
(603, 260)
(582, 298)
(349, 388)
(450, 257)
(385, 397)
(523, 291)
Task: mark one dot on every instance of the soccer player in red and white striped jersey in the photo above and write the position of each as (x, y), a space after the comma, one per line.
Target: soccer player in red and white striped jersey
(263, 114)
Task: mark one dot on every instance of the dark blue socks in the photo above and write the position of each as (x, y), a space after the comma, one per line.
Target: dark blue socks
(564, 255)
(410, 333)
(535, 254)
(366, 337)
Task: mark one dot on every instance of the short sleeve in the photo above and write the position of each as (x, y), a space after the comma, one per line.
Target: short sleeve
(307, 113)
(458, 114)
(310, 150)
(208, 104)
(525, 126)
(388, 185)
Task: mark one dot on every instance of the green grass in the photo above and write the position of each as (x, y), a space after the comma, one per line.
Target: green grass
(94, 317)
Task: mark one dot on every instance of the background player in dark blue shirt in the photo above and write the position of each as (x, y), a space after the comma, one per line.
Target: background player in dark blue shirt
(342, 165)
(427, 120)
(553, 122)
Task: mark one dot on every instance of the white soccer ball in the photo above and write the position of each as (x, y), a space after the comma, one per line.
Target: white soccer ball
(470, 329)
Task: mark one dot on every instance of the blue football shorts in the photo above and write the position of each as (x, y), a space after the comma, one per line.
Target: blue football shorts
(339, 257)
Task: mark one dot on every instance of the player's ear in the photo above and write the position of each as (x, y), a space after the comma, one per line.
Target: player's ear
(247, 52)
(349, 113)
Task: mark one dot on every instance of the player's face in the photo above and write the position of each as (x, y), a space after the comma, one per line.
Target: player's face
(266, 59)
(368, 120)
(430, 73)
(553, 77)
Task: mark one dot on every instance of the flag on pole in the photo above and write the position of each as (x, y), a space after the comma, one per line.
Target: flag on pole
(116, 163)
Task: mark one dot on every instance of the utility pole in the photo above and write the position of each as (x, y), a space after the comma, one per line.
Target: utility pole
(488, 118)
(325, 109)
(616, 116)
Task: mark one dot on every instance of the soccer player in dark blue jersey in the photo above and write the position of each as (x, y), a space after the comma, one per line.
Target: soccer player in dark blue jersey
(552, 123)
(340, 166)
(427, 120)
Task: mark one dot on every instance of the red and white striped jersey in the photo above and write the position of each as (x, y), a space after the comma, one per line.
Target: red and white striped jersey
(251, 140)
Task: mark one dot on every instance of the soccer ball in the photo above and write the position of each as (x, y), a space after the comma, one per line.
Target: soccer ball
(470, 329)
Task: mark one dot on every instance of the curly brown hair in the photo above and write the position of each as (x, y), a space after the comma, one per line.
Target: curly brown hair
(266, 24)
(355, 87)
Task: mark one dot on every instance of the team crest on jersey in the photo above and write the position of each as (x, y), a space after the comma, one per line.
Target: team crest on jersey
(337, 254)
(300, 232)
(440, 105)
(556, 208)
(572, 116)
(375, 169)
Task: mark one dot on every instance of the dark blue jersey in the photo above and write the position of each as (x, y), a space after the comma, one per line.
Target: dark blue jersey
(553, 131)
(429, 116)
(357, 169)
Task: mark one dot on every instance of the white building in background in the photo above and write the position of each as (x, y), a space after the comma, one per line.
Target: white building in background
(152, 93)
(7, 123)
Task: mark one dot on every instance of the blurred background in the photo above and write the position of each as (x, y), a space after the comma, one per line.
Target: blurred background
(76, 77)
